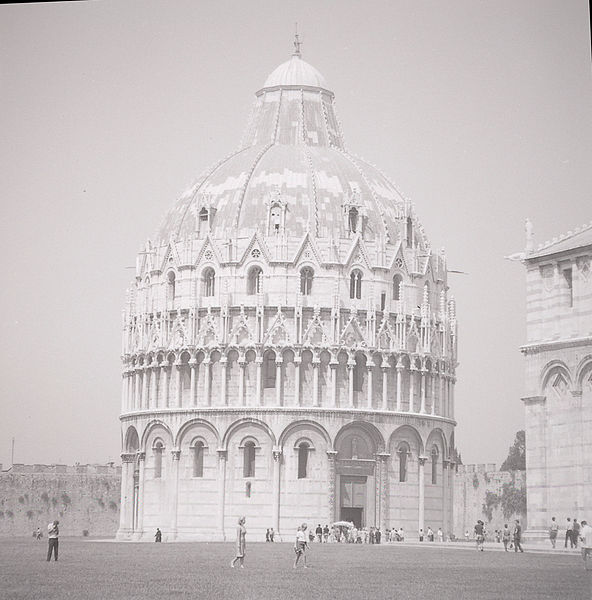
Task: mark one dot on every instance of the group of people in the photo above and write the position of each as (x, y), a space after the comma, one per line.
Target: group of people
(511, 538)
(575, 533)
(430, 535)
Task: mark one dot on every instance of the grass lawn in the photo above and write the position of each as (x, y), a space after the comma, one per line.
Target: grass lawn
(105, 570)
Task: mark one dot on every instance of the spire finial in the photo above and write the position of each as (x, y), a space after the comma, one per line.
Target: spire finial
(297, 43)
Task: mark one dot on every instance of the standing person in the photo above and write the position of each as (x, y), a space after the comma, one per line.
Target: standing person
(467, 535)
(301, 545)
(319, 533)
(517, 536)
(479, 534)
(430, 534)
(568, 532)
(267, 535)
(506, 536)
(158, 535)
(553, 529)
(53, 532)
(326, 534)
(38, 534)
(440, 535)
(421, 535)
(271, 534)
(241, 543)
(575, 534)
(586, 536)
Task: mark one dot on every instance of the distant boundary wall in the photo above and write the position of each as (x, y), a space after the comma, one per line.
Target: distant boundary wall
(483, 492)
(81, 497)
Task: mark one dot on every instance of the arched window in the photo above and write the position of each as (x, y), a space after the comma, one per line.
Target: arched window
(409, 232)
(269, 370)
(434, 465)
(353, 219)
(249, 459)
(275, 218)
(355, 284)
(254, 281)
(198, 458)
(306, 276)
(209, 282)
(403, 453)
(171, 280)
(303, 450)
(358, 375)
(203, 215)
(158, 450)
(397, 281)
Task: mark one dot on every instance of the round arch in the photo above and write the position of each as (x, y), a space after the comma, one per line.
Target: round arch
(368, 428)
(132, 439)
(437, 435)
(304, 424)
(399, 434)
(237, 425)
(154, 424)
(189, 424)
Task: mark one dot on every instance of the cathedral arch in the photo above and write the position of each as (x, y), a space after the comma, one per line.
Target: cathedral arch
(355, 284)
(247, 422)
(254, 280)
(208, 282)
(438, 438)
(171, 289)
(302, 427)
(306, 279)
(188, 430)
(132, 440)
(156, 428)
(408, 434)
(584, 373)
(397, 282)
(555, 374)
(366, 431)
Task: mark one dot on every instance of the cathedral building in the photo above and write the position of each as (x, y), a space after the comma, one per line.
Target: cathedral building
(558, 398)
(289, 345)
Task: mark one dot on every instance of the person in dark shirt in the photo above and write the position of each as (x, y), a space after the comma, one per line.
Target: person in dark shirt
(480, 534)
(517, 536)
(319, 533)
(158, 535)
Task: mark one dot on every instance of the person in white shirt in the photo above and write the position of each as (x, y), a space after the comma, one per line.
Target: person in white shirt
(301, 545)
(586, 537)
(52, 534)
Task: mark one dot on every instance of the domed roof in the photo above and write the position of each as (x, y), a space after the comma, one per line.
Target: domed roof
(293, 150)
(295, 72)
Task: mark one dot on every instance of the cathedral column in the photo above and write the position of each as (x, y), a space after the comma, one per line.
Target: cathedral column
(315, 382)
(222, 456)
(144, 400)
(177, 385)
(350, 396)
(124, 392)
(333, 364)
(141, 465)
(278, 382)
(441, 409)
(369, 386)
(127, 495)
(384, 387)
(164, 388)
(433, 377)
(399, 368)
(207, 367)
(382, 517)
(137, 398)
(241, 382)
(277, 458)
(445, 482)
(423, 385)
(259, 361)
(176, 455)
(130, 390)
(421, 462)
(223, 378)
(154, 386)
(451, 401)
(297, 363)
(331, 491)
(192, 385)
(412, 371)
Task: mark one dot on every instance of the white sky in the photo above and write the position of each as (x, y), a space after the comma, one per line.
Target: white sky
(478, 110)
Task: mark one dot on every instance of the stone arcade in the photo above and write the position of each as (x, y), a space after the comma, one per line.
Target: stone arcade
(289, 347)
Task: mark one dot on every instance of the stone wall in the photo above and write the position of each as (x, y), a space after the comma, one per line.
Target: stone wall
(81, 497)
(479, 493)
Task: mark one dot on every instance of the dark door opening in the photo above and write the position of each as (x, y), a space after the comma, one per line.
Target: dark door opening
(352, 514)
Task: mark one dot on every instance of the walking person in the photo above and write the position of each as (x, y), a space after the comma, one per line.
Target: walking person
(568, 533)
(38, 535)
(586, 537)
(53, 532)
(517, 536)
(553, 529)
(301, 545)
(440, 535)
(480, 534)
(506, 536)
(319, 533)
(241, 544)
(575, 534)
(158, 535)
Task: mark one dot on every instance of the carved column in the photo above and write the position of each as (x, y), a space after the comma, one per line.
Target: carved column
(333, 364)
(178, 384)
(278, 382)
(445, 524)
(222, 455)
(176, 455)
(137, 390)
(164, 388)
(277, 458)
(315, 382)
(144, 388)
(241, 383)
(433, 376)
(451, 396)
(332, 495)
(423, 384)
(441, 407)
(124, 393)
(154, 385)
(382, 517)
(384, 370)
(421, 462)
(193, 383)
(207, 368)
(370, 383)
(259, 362)
(223, 378)
(297, 363)
(400, 368)
(350, 395)
(127, 495)
(412, 372)
(141, 465)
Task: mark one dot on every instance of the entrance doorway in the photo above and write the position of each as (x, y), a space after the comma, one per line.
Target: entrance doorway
(352, 514)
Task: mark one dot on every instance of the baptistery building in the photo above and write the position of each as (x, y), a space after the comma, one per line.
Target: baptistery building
(289, 343)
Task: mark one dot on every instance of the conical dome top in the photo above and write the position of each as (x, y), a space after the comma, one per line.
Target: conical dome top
(295, 72)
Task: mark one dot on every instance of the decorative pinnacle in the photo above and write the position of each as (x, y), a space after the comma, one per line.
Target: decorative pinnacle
(297, 44)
